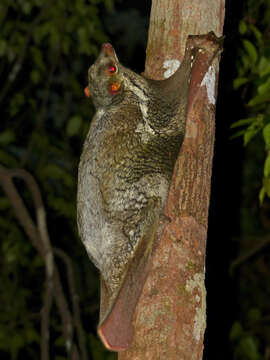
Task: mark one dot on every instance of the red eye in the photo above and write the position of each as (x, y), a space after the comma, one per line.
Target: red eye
(111, 69)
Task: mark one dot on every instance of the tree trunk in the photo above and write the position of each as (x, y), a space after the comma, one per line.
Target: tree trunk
(169, 321)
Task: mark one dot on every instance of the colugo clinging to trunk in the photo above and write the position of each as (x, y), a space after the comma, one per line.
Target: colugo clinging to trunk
(124, 175)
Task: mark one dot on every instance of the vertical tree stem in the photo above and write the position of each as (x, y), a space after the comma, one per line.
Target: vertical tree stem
(170, 317)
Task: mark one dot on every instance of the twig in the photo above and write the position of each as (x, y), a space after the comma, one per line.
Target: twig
(243, 258)
(45, 323)
(75, 301)
(20, 210)
(62, 305)
(40, 215)
(75, 354)
(39, 238)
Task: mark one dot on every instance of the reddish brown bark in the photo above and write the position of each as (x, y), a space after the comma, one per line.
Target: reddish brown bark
(170, 320)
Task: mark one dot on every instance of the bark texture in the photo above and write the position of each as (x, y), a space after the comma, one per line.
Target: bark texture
(169, 321)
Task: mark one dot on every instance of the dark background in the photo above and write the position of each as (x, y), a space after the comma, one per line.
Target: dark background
(44, 119)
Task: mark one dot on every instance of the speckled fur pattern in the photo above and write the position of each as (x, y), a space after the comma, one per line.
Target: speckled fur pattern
(128, 159)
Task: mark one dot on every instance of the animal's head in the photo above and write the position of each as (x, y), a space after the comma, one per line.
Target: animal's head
(105, 78)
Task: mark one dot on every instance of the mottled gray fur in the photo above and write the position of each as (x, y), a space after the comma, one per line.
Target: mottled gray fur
(128, 159)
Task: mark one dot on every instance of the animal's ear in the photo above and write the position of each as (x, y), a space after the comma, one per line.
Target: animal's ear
(108, 51)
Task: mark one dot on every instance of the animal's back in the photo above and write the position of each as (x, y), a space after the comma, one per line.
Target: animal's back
(119, 181)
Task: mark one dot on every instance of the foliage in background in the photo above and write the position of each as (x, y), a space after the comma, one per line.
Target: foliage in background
(253, 79)
(45, 50)
(250, 333)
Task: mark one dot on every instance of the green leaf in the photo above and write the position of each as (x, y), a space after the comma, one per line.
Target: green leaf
(57, 173)
(254, 128)
(267, 166)
(237, 134)
(17, 341)
(264, 66)
(266, 186)
(242, 27)
(257, 33)
(4, 203)
(236, 331)
(262, 195)
(249, 134)
(62, 207)
(259, 99)
(248, 348)
(55, 37)
(26, 7)
(7, 159)
(266, 136)
(7, 137)
(38, 58)
(16, 103)
(243, 122)
(264, 87)
(60, 341)
(3, 47)
(246, 63)
(37, 262)
(239, 82)
(32, 335)
(251, 50)
(66, 45)
(254, 314)
(35, 76)
(74, 125)
(109, 5)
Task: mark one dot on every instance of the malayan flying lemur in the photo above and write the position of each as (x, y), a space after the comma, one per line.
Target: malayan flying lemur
(125, 170)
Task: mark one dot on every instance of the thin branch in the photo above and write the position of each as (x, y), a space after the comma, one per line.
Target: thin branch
(243, 258)
(45, 320)
(20, 210)
(66, 318)
(40, 214)
(75, 301)
(40, 240)
(75, 354)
